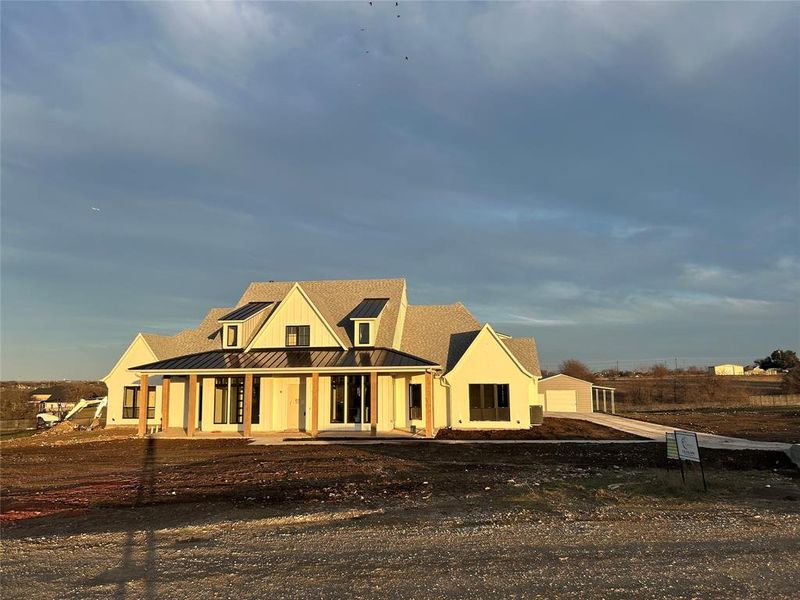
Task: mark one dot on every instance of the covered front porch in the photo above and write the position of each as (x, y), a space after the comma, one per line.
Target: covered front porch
(306, 392)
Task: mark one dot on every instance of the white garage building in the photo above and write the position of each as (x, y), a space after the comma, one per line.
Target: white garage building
(563, 393)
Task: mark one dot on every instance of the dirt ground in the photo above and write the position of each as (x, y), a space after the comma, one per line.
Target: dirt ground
(551, 429)
(130, 518)
(764, 424)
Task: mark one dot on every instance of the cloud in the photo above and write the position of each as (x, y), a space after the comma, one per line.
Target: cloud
(229, 39)
(585, 173)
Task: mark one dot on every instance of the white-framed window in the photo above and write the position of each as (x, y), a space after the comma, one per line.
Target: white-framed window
(298, 335)
(364, 331)
(232, 336)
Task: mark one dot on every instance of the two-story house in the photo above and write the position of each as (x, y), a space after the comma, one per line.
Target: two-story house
(349, 355)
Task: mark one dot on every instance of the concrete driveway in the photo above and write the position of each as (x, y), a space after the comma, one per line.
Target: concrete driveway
(654, 431)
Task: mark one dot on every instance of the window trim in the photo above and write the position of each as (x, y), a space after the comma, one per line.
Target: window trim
(255, 402)
(411, 407)
(298, 331)
(494, 413)
(225, 400)
(228, 330)
(232, 410)
(368, 325)
(133, 408)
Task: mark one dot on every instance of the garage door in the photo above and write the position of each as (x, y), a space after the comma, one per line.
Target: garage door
(561, 401)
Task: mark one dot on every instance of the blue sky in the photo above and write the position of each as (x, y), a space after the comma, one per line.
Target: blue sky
(618, 180)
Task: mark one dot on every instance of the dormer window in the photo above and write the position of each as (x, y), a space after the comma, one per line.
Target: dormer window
(365, 331)
(366, 318)
(298, 335)
(364, 334)
(232, 336)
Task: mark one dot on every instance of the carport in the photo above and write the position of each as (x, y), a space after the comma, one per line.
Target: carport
(601, 397)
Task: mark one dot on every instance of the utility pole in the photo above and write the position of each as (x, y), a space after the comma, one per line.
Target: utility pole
(675, 383)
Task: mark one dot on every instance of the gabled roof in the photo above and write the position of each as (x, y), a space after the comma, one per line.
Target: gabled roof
(557, 375)
(296, 289)
(436, 333)
(336, 299)
(442, 333)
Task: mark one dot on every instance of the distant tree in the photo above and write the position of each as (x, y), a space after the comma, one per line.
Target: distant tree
(659, 371)
(791, 381)
(575, 368)
(547, 373)
(779, 359)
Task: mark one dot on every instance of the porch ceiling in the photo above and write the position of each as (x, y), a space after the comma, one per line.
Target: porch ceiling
(290, 360)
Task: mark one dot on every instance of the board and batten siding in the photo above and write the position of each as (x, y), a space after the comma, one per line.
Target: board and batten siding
(294, 310)
(485, 361)
(583, 389)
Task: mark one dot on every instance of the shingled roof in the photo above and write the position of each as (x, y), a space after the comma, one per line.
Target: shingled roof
(203, 337)
(336, 299)
(525, 351)
(438, 333)
(441, 333)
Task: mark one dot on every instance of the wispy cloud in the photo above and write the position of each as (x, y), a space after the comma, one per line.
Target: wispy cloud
(614, 178)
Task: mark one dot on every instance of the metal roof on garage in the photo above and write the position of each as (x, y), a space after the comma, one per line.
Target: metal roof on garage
(306, 358)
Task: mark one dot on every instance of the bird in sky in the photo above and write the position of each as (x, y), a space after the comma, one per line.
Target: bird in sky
(94, 208)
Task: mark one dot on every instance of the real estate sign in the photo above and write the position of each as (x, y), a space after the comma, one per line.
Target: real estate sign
(687, 445)
(672, 446)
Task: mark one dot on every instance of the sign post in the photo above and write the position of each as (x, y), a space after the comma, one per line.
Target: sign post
(689, 450)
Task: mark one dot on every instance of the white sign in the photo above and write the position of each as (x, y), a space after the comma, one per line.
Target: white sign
(687, 445)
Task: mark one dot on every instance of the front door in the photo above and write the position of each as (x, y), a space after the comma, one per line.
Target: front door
(293, 407)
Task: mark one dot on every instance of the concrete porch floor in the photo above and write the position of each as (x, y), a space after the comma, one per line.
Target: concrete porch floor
(272, 437)
(178, 433)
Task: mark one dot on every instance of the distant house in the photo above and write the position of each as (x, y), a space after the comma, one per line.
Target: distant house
(564, 393)
(726, 369)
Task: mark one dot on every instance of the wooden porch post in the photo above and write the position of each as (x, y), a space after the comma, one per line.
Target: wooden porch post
(429, 404)
(613, 411)
(314, 404)
(248, 403)
(373, 402)
(143, 398)
(192, 424)
(165, 402)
